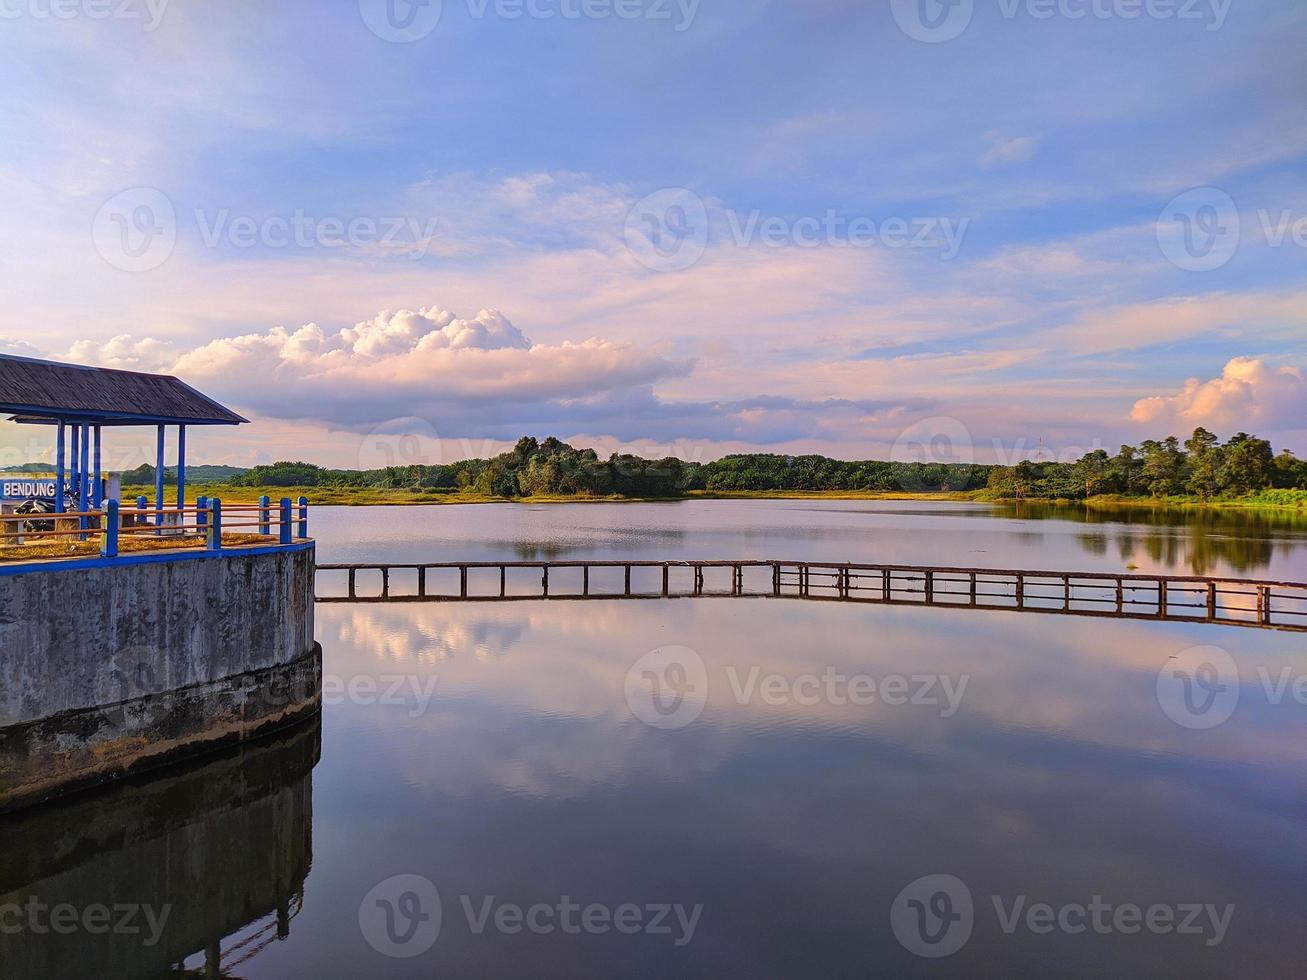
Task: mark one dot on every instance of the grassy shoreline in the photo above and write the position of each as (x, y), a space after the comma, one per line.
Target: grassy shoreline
(375, 497)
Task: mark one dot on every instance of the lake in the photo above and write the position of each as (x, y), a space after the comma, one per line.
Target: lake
(733, 787)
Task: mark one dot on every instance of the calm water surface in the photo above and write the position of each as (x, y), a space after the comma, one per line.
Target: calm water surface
(790, 781)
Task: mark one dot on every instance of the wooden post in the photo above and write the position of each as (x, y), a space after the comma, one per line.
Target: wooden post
(1021, 591)
(462, 583)
(215, 524)
(503, 581)
(973, 588)
(666, 576)
(1264, 596)
(628, 580)
(545, 579)
(1211, 600)
(353, 583)
(385, 582)
(422, 582)
(1161, 598)
(1120, 597)
(930, 587)
(1066, 592)
(885, 585)
(585, 580)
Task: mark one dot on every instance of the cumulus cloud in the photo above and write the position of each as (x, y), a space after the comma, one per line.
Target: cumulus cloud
(1249, 394)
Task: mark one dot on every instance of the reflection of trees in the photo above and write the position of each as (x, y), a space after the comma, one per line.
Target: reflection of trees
(1198, 540)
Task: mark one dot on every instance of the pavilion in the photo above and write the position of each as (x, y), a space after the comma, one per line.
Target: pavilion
(81, 401)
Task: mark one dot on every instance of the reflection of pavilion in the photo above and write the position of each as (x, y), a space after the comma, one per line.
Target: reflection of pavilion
(225, 847)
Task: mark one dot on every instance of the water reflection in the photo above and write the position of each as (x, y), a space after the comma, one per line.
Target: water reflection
(201, 867)
(526, 777)
(1270, 544)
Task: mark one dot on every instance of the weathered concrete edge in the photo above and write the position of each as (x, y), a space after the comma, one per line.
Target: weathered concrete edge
(136, 754)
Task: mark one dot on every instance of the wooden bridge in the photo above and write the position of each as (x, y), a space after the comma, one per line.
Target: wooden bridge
(1229, 602)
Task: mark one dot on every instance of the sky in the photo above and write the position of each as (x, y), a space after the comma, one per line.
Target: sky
(390, 232)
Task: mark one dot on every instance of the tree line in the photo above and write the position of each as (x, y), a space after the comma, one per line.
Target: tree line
(553, 468)
(1201, 467)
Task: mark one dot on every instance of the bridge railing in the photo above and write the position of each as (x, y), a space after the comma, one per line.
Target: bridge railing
(208, 524)
(1279, 605)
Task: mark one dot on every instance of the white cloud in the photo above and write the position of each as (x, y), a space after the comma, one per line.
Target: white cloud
(1005, 150)
(1249, 394)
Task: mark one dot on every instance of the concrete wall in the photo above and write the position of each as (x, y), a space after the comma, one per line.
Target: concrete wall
(116, 667)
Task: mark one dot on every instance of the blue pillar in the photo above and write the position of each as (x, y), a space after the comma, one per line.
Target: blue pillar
(141, 504)
(265, 517)
(181, 467)
(59, 469)
(304, 517)
(158, 480)
(74, 453)
(109, 549)
(201, 511)
(84, 476)
(97, 481)
(285, 527)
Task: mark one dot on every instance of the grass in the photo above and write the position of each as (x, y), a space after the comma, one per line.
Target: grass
(378, 497)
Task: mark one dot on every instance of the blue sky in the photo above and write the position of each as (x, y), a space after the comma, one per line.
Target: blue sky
(695, 228)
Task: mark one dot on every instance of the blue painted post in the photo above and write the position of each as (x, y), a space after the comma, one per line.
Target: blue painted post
(304, 518)
(201, 507)
(74, 453)
(59, 469)
(97, 481)
(109, 549)
(158, 481)
(215, 525)
(265, 515)
(181, 467)
(84, 481)
(285, 528)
